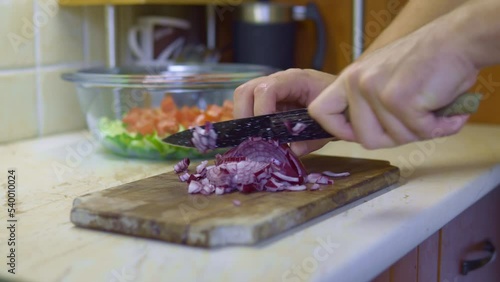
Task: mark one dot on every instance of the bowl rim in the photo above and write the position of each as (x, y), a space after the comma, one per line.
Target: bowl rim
(174, 76)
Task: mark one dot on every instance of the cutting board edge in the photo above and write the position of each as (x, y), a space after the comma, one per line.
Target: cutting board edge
(112, 218)
(392, 177)
(113, 223)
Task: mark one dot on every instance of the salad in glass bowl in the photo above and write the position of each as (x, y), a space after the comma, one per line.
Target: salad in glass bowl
(141, 130)
(131, 109)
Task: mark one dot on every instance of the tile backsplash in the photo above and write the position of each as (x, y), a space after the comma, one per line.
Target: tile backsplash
(39, 41)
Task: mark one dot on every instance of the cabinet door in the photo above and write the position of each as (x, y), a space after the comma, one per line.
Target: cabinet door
(477, 224)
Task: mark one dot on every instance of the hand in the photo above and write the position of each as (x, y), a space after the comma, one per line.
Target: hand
(392, 92)
(285, 90)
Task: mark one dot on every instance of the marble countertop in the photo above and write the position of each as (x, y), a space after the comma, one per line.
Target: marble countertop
(439, 180)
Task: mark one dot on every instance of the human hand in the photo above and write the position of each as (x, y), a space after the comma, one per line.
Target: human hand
(393, 91)
(284, 90)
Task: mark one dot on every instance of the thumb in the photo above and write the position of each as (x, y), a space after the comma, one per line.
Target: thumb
(446, 126)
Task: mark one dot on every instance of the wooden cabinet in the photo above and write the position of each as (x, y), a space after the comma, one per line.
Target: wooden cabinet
(465, 235)
(440, 257)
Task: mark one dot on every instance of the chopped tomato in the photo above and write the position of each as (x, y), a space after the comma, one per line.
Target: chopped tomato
(227, 109)
(168, 104)
(168, 117)
(200, 120)
(213, 113)
(132, 116)
(145, 127)
(167, 127)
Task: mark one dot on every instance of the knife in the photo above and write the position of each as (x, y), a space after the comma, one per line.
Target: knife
(274, 126)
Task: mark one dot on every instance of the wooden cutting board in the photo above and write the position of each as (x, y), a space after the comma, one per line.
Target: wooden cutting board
(159, 207)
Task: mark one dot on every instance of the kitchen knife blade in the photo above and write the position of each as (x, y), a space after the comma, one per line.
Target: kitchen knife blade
(273, 126)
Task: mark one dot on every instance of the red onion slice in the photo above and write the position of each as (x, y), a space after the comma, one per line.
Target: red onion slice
(296, 188)
(333, 174)
(236, 203)
(286, 178)
(318, 179)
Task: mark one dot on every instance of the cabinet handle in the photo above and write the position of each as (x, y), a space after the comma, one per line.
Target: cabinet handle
(470, 265)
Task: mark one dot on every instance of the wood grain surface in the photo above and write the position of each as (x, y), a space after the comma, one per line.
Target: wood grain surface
(159, 207)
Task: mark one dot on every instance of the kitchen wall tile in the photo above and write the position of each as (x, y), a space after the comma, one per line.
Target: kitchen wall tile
(96, 35)
(61, 111)
(18, 110)
(61, 35)
(17, 34)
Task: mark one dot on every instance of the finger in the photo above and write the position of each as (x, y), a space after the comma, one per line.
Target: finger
(327, 109)
(243, 98)
(391, 125)
(366, 125)
(289, 87)
(395, 128)
(260, 96)
(443, 126)
(305, 147)
(435, 95)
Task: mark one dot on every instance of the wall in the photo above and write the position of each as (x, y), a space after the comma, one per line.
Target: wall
(39, 42)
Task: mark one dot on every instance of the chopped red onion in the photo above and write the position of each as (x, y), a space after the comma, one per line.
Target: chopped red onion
(194, 187)
(315, 186)
(204, 139)
(182, 165)
(333, 174)
(254, 165)
(236, 203)
(201, 167)
(219, 190)
(296, 129)
(184, 177)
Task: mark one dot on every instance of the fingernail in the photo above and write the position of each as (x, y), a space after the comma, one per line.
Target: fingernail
(456, 121)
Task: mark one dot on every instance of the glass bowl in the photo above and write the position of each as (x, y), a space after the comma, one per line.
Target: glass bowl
(131, 109)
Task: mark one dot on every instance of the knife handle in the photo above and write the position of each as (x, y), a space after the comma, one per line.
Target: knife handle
(465, 104)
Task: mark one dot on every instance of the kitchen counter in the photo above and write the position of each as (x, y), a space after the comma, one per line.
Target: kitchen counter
(439, 180)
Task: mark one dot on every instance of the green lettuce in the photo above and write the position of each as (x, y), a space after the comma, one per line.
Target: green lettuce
(115, 137)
